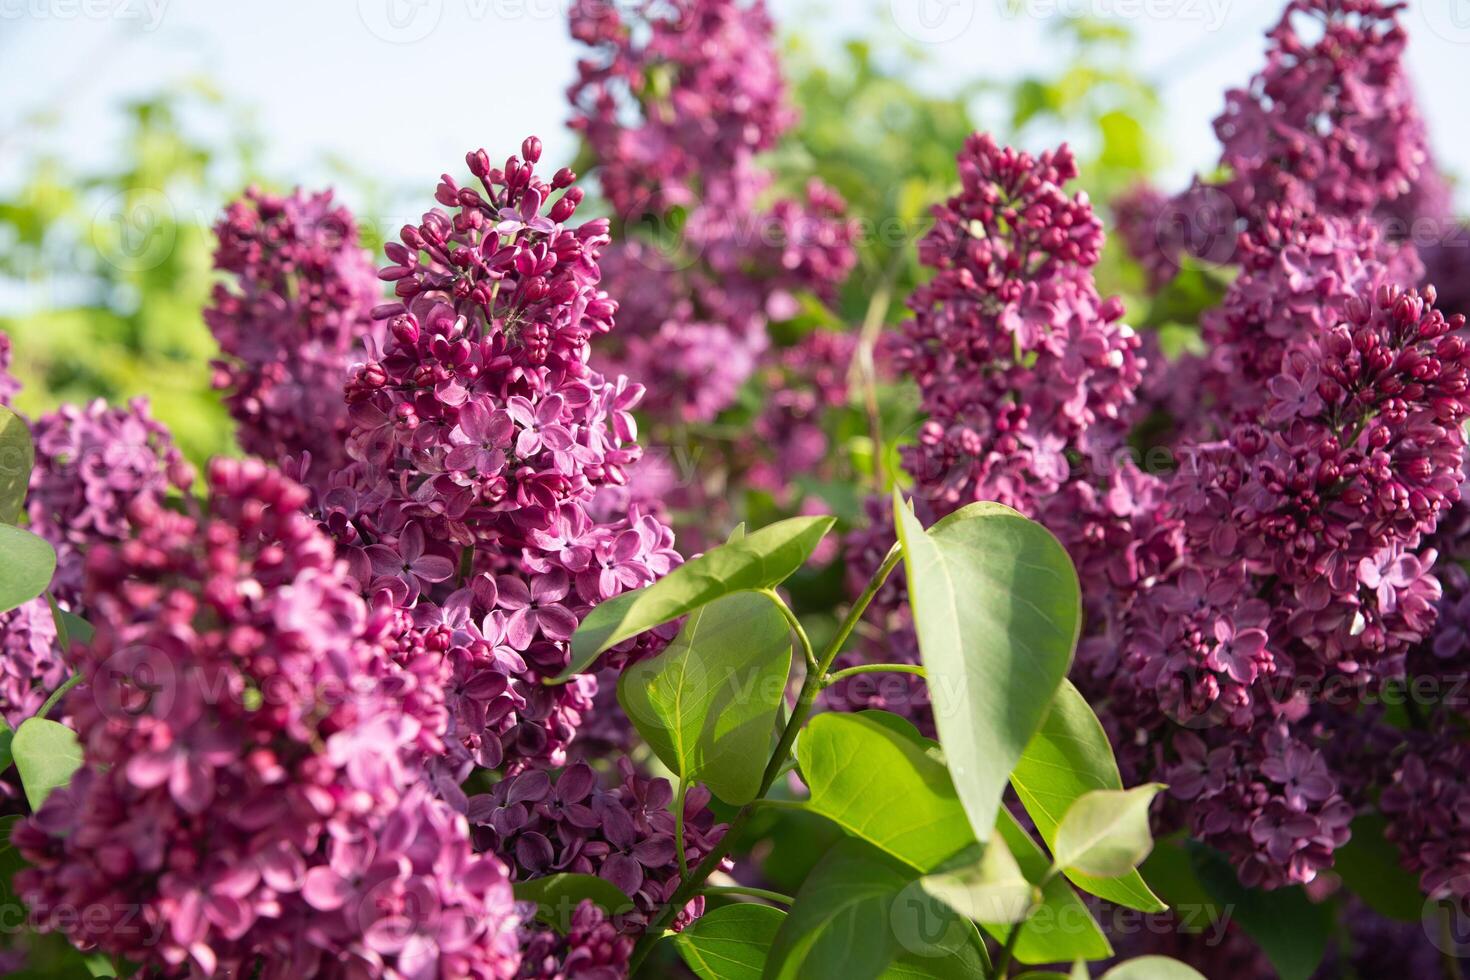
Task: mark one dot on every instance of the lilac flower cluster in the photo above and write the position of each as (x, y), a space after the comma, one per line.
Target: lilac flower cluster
(704, 77)
(92, 464)
(290, 324)
(625, 835)
(480, 437)
(1298, 273)
(1428, 806)
(1330, 123)
(1019, 361)
(252, 789)
(1329, 126)
(702, 85)
(592, 949)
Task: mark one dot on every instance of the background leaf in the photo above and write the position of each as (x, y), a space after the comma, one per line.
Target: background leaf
(17, 458)
(839, 925)
(27, 563)
(1106, 833)
(1290, 930)
(759, 560)
(883, 784)
(707, 704)
(1068, 756)
(997, 608)
(46, 755)
(731, 942)
(1369, 865)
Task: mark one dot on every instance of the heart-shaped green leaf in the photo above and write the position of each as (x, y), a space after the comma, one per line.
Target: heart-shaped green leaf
(707, 704)
(987, 887)
(859, 766)
(758, 560)
(47, 754)
(858, 913)
(730, 943)
(1106, 833)
(1153, 968)
(27, 563)
(1061, 929)
(997, 609)
(1067, 757)
(17, 458)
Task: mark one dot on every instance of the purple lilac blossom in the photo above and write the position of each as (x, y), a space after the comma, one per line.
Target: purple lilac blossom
(290, 323)
(480, 440)
(252, 788)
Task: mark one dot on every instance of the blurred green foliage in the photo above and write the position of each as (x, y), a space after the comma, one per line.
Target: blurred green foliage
(109, 270)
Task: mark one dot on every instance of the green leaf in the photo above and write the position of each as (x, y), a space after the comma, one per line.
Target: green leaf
(1369, 865)
(1060, 929)
(557, 897)
(861, 914)
(47, 753)
(1069, 756)
(27, 563)
(965, 963)
(1105, 833)
(707, 704)
(1289, 928)
(17, 458)
(758, 560)
(840, 924)
(860, 766)
(989, 887)
(70, 628)
(731, 942)
(997, 609)
(1153, 968)
(7, 736)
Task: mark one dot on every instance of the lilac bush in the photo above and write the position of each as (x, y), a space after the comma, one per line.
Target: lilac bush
(426, 687)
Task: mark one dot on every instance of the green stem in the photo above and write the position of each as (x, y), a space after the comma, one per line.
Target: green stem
(806, 700)
(1008, 952)
(679, 828)
(873, 669)
(743, 890)
(866, 370)
(806, 644)
(58, 694)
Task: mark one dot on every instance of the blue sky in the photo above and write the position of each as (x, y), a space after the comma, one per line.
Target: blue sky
(400, 88)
